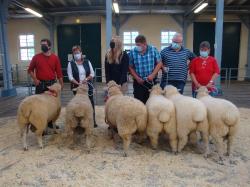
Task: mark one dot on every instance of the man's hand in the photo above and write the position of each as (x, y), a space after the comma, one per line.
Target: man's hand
(197, 85)
(150, 77)
(140, 80)
(37, 82)
(210, 85)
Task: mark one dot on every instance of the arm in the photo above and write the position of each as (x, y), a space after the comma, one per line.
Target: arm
(215, 75)
(107, 73)
(192, 74)
(134, 74)
(158, 62)
(92, 73)
(125, 62)
(70, 76)
(31, 69)
(59, 72)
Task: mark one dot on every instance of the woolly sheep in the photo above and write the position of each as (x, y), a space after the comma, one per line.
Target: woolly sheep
(191, 116)
(124, 113)
(223, 119)
(79, 114)
(36, 111)
(161, 118)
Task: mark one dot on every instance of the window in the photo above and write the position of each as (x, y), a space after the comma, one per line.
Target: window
(129, 39)
(27, 47)
(166, 38)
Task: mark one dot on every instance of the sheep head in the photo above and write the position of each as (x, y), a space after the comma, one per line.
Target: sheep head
(156, 90)
(202, 91)
(170, 90)
(54, 89)
(82, 89)
(114, 89)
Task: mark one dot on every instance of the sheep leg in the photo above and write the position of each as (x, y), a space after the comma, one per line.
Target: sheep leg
(219, 148)
(154, 140)
(206, 143)
(173, 142)
(193, 138)
(126, 142)
(182, 142)
(232, 131)
(39, 138)
(24, 133)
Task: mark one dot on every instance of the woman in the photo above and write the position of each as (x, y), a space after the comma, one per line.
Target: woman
(81, 71)
(204, 70)
(116, 63)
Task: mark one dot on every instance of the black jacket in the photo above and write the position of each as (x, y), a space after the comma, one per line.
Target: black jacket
(117, 72)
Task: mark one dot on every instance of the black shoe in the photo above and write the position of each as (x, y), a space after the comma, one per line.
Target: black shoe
(95, 125)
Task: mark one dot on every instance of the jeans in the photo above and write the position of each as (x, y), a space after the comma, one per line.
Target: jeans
(176, 83)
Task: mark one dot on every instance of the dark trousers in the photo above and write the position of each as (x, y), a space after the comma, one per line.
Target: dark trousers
(176, 83)
(141, 92)
(91, 97)
(43, 86)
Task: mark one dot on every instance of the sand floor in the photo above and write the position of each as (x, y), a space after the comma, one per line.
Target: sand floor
(62, 164)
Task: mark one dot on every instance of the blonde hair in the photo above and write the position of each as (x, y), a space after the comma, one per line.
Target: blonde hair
(115, 55)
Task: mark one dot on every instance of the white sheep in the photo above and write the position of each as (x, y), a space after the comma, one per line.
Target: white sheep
(79, 114)
(161, 118)
(124, 113)
(191, 116)
(223, 119)
(36, 111)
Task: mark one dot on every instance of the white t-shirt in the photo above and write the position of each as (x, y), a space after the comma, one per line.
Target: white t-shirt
(81, 70)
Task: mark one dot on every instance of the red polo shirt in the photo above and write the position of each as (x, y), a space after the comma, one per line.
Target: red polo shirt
(46, 67)
(203, 69)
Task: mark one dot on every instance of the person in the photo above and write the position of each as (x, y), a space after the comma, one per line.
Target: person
(81, 71)
(116, 64)
(45, 69)
(204, 70)
(175, 58)
(144, 64)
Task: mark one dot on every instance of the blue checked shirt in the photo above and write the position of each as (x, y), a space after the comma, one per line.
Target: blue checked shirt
(144, 64)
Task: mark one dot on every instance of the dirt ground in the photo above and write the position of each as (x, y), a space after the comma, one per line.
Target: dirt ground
(62, 164)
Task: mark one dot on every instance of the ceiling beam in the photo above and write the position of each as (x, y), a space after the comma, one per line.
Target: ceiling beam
(139, 2)
(50, 2)
(76, 2)
(165, 2)
(88, 1)
(229, 2)
(242, 2)
(63, 2)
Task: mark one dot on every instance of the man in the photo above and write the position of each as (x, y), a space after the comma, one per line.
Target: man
(144, 64)
(175, 57)
(204, 70)
(45, 68)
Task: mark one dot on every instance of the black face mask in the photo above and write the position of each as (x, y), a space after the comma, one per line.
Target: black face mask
(44, 48)
(112, 45)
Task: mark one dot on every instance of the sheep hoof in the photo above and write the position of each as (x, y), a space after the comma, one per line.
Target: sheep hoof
(25, 149)
(175, 153)
(227, 154)
(125, 154)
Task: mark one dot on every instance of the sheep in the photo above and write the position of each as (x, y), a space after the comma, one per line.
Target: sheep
(223, 119)
(191, 116)
(79, 114)
(161, 117)
(124, 113)
(36, 111)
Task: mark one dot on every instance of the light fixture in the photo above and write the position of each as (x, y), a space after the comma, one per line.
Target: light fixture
(116, 7)
(33, 12)
(214, 19)
(77, 20)
(201, 7)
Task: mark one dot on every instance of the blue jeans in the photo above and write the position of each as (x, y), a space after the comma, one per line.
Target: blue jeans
(178, 84)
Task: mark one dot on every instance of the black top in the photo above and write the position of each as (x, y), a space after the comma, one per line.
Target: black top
(117, 72)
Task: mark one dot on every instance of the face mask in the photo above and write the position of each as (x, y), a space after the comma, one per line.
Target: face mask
(138, 48)
(112, 45)
(44, 48)
(204, 53)
(175, 45)
(78, 56)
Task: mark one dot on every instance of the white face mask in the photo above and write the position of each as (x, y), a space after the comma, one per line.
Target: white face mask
(78, 56)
